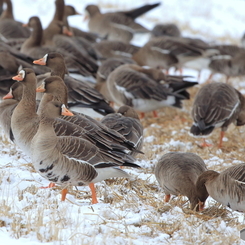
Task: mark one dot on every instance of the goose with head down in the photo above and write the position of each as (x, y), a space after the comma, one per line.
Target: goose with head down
(217, 105)
(177, 172)
(57, 160)
(227, 187)
(126, 122)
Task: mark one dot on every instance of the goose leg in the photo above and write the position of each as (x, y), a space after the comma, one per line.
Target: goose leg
(63, 194)
(222, 133)
(205, 144)
(167, 198)
(142, 115)
(155, 114)
(51, 184)
(94, 198)
(201, 206)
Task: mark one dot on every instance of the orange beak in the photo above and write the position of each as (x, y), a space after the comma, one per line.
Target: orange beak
(66, 112)
(18, 78)
(40, 62)
(25, 25)
(41, 88)
(67, 32)
(201, 205)
(8, 96)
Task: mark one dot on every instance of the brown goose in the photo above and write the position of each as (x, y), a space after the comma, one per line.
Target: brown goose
(177, 173)
(126, 122)
(108, 48)
(217, 105)
(24, 125)
(227, 187)
(79, 93)
(104, 71)
(171, 30)
(229, 62)
(57, 160)
(7, 106)
(118, 25)
(55, 86)
(10, 28)
(146, 89)
(34, 48)
(89, 36)
(166, 52)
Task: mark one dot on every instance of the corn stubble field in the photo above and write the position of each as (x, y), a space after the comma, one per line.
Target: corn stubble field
(129, 211)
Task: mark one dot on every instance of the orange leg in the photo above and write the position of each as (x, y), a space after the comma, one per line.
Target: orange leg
(222, 133)
(201, 206)
(167, 198)
(205, 144)
(63, 194)
(94, 198)
(155, 114)
(49, 186)
(142, 115)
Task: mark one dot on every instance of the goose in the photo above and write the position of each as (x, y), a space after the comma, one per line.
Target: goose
(89, 36)
(7, 106)
(104, 71)
(166, 52)
(24, 125)
(217, 105)
(146, 89)
(56, 159)
(55, 86)
(126, 122)
(10, 28)
(177, 173)
(34, 48)
(229, 65)
(79, 93)
(169, 29)
(227, 187)
(118, 25)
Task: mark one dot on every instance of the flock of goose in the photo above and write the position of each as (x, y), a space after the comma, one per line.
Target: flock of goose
(73, 149)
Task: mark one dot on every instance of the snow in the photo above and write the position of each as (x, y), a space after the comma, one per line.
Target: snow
(38, 215)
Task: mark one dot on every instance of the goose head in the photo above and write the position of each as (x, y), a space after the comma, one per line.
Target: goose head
(15, 92)
(128, 111)
(92, 10)
(25, 75)
(201, 184)
(70, 10)
(55, 109)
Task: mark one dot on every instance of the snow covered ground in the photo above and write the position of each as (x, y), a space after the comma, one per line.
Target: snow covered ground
(128, 212)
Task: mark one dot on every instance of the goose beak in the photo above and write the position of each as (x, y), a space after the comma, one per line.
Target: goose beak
(77, 13)
(41, 88)
(67, 32)
(41, 62)
(65, 111)
(201, 205)
(18, 77)
(8, 96)
(25, 25)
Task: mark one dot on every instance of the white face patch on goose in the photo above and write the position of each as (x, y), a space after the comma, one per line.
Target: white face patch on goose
(45, 57)
(22, 73)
